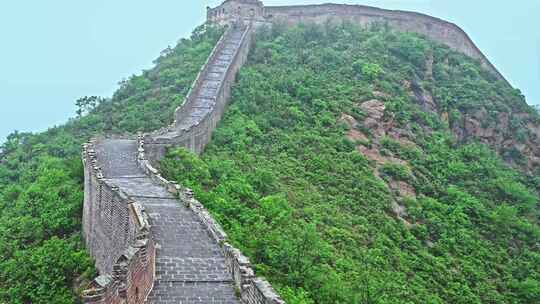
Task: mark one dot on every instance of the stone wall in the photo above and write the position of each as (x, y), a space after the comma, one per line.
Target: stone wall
(253, 290)
(117, 234)
(115, 226)
(132, 278)
(436, 29)
(133, 270)
(197, 137)
(108, 224)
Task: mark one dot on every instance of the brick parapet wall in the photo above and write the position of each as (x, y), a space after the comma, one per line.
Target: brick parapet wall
(253, 290)
(117, 234)
(131, 280)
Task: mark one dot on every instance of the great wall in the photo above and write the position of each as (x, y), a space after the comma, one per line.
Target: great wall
(153, 242)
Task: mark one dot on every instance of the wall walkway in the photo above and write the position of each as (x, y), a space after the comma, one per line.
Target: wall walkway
(194, 263)
(190, 266)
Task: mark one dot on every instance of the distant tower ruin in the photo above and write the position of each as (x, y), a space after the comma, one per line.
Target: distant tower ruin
(236, 10)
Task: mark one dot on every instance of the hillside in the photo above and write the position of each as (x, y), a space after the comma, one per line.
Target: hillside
(366, 166)
(353, 166)
(42, 258)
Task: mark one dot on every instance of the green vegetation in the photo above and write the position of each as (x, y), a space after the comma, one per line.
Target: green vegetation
(316, 216)
(41, 177)
(297, 196)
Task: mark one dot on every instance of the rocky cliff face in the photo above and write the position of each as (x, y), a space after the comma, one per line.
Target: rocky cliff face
(514, 133)
(515, 136)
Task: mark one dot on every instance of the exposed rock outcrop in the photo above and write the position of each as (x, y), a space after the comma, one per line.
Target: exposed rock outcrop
(512, 135)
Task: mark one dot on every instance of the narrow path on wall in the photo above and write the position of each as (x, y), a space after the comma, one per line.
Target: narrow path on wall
(190, 266)
(205, 101)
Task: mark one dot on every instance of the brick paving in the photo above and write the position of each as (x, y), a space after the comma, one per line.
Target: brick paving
(190, 266)
(206, 98)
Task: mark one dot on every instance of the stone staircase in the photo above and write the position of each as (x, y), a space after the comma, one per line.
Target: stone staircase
(206, 101)
(193, 261)
(190, 266)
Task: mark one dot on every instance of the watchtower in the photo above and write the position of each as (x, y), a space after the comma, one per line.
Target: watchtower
(236, 10)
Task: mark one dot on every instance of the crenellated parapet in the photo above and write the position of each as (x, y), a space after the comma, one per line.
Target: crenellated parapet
(117, 234)
(132, 277)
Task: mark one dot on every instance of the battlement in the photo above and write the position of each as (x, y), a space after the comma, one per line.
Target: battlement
(436, 29)
(232, 10)
(117, 234)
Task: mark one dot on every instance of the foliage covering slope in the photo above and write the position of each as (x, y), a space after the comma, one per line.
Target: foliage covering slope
(322, 220)
(41, 176)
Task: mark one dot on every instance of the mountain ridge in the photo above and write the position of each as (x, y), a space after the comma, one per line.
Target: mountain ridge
(326, 141)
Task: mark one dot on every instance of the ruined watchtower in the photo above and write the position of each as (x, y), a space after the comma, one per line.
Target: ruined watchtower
(236, 10)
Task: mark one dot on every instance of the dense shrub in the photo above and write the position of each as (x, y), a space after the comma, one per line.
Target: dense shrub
(297, 197)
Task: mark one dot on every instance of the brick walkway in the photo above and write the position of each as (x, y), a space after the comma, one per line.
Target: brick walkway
(190, 266)
(205, 100)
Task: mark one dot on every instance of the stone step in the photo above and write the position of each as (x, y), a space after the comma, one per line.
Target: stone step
(213, 68)
(228, 51)
(200, 112)
(165, 292)
(212, 84)
(232, 45)
(235, 42)
(203, 102)
(184, 269)
(226, 58)
(205, 92)
(220, 63)
(214, 75)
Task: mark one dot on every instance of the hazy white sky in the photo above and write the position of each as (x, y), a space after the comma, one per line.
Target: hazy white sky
(54, 51)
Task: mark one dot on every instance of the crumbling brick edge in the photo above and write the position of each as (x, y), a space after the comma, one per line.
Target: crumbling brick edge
(132, 277)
